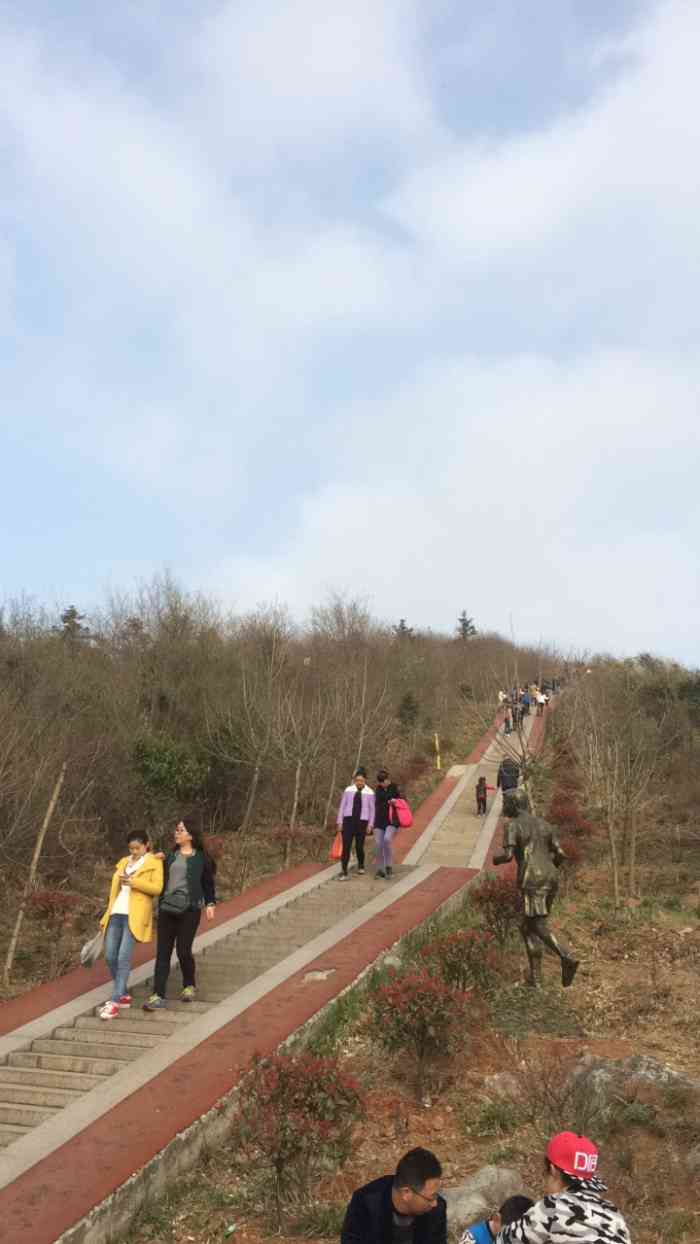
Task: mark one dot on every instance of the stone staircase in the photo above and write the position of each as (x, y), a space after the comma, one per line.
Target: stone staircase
(56, 1070)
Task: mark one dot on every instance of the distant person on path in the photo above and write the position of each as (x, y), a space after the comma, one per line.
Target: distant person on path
(508, 774)
(384, 831)
(482, 789)
(508, 720)
(188, 887)
(485, 1232)
(138, 878)
(526, 704)
(405, 1208)
(573, 1209)
(541, 702)
(355, 817)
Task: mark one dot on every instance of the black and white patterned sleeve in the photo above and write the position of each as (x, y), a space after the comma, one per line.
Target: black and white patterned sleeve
(535, 1227)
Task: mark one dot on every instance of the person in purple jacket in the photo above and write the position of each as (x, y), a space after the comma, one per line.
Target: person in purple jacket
(355, 817)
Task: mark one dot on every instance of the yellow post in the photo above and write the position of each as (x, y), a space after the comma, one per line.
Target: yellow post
(438, 763)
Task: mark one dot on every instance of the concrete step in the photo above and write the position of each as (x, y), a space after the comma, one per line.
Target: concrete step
(72, 1081)
(87, 1049)
(10, 1132)
(169, 1019)
(105, 1033)
(141, 1026)
(73, 1061)
(24, 1115)
(36, 1095)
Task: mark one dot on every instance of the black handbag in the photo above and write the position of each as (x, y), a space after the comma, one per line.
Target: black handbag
(175, 904)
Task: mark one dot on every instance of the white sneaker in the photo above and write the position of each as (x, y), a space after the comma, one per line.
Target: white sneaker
(343, 877)
(110, 1010)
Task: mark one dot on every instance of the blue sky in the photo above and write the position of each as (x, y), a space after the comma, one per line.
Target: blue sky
(369, 296)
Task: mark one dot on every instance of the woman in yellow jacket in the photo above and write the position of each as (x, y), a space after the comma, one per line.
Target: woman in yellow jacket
(137, 879)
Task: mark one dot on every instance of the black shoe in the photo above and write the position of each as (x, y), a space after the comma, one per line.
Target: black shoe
(569, 968)
(380, 873)
(389, 872)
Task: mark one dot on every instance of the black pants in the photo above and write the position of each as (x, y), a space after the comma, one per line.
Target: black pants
(480, 804)
(357, 833)
(178, 931)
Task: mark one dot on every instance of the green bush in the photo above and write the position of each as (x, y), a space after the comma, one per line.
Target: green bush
(416, 1014)
(464, 959)
(498, 901)
(295, 1117)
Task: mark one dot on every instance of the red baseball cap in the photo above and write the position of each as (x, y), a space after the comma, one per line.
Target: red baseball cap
(575, 1155)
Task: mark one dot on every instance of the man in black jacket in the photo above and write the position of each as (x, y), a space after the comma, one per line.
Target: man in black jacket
(405, 1208)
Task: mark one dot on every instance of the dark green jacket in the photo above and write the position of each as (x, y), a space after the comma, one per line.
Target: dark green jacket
(200, 878)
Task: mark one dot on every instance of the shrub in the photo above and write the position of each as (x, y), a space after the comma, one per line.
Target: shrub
(295, 1117)
(55, 906)
(498, 902)
(464, 959)
(418, 1015)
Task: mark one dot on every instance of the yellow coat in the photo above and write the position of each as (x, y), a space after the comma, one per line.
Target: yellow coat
(145, 885)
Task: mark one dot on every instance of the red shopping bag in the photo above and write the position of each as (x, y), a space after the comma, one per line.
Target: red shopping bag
(337, 847)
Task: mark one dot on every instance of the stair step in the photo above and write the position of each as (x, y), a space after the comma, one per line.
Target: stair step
(25, 1115)
(138, 1027)
(73, 1061)
(106, 1033)
(36, 1095)
(107, 1051)
(34, 1077)
(10, 1132)
(170, 1018)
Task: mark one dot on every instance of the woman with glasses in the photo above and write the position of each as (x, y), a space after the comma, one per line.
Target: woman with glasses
(188, 887)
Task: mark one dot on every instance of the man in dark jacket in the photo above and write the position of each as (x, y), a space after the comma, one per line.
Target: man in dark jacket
(508, 774)
(404, 1208)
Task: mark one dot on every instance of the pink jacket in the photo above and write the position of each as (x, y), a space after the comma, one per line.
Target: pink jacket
(347, 800)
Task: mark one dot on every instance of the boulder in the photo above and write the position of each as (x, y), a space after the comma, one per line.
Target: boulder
(483, 1192)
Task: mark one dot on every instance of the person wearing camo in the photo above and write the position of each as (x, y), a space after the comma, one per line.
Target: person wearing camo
(574, 1209)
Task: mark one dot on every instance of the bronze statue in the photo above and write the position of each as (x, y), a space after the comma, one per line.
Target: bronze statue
(534, 845)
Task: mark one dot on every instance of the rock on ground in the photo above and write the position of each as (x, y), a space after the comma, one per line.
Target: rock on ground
(483, 1192)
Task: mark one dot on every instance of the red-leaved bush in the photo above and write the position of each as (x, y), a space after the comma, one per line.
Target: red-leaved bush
(295, 1117)
(499, 904)
(465, 959)
(565, 813)
(417, 1015)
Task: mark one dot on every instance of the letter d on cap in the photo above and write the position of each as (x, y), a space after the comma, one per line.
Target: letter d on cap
(585, 1162)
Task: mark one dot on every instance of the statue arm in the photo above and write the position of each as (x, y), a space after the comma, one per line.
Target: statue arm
(509, 840)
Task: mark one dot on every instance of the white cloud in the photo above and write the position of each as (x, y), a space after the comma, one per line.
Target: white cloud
(522, 490)
(288, 82)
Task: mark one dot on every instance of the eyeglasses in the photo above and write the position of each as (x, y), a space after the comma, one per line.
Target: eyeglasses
(429, 1200)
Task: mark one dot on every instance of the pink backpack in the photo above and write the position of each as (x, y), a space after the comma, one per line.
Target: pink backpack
(400, 814)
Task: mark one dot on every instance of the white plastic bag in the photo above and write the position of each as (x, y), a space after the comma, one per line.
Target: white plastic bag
(92, 950)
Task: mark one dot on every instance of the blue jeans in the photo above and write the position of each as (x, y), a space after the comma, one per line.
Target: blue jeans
(119, 948)
(383, 855)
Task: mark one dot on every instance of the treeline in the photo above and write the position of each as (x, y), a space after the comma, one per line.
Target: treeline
(625, 743)
(162, 704)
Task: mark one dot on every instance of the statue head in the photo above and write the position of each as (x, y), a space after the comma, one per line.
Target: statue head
(515, 802)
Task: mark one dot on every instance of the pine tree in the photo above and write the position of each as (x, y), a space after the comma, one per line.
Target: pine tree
(465, 626)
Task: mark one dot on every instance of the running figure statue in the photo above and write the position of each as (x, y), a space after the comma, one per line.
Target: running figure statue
(535, 847)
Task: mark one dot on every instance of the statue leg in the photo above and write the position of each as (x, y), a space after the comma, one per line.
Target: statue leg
(569, 964)
(534, 953)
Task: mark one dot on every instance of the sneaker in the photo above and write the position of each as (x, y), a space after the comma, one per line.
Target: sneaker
(125, 1001)
(343, 877)
(380, 873)
(110, 1010)
(154, 1003)
(188, 994)
(360, 872)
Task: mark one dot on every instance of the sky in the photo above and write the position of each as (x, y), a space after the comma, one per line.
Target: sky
(373, 297)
